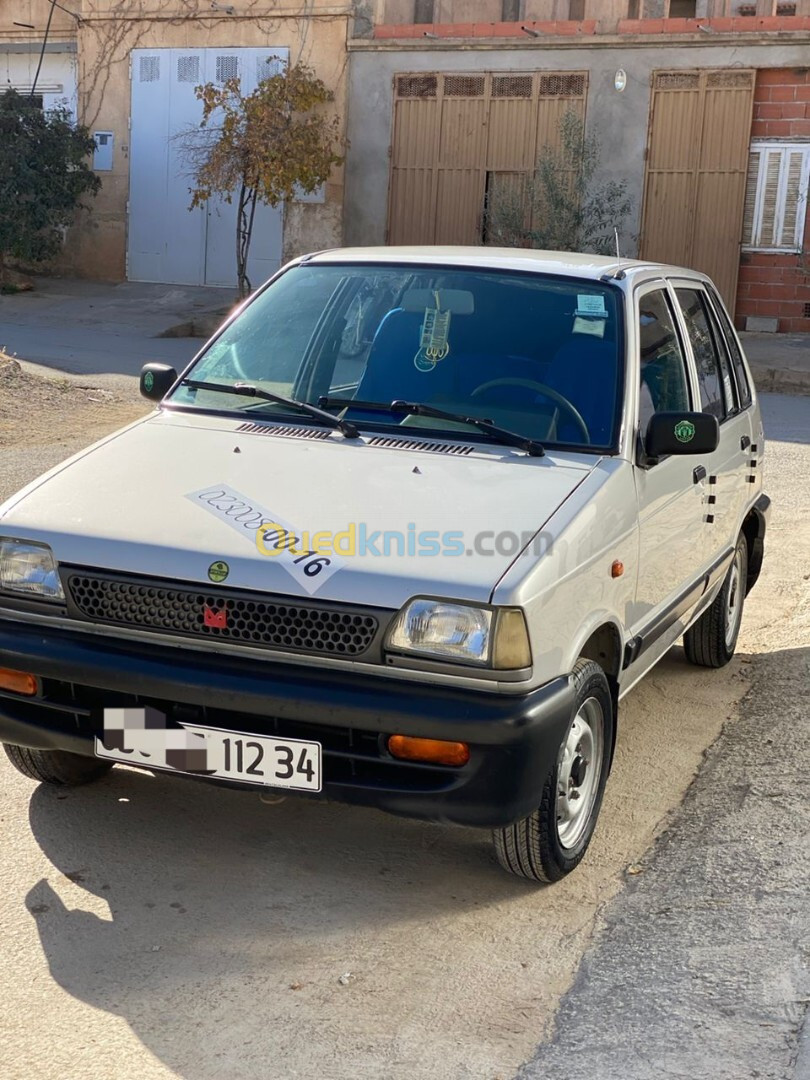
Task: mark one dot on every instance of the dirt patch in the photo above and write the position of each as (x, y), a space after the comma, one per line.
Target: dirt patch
(37, 409)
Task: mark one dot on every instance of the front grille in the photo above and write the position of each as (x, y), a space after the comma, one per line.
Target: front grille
(265, 621)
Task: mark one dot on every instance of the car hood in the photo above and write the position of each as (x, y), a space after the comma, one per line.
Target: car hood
(160, 498)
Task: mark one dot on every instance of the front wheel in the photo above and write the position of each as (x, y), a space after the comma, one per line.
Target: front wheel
(57, 767)
(552, 840)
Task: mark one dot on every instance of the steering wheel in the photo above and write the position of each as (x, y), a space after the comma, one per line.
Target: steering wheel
(546, 391)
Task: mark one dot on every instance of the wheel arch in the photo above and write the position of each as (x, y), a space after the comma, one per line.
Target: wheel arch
(753, 529)
(603, 643)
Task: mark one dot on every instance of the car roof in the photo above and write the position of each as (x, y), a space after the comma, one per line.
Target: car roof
(565, 263)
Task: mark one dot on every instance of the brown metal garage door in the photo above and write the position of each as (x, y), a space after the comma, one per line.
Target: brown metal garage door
(697, 157)
(455, 135)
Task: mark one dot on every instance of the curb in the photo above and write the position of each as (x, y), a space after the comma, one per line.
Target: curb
(772, 380)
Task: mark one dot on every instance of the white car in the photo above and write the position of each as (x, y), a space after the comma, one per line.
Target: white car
(402, 535)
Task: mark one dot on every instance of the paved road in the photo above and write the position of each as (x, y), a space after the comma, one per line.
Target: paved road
(701, 965)
(89, 327)
(154, 927)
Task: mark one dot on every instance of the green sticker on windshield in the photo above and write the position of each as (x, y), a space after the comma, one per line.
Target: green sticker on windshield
(218, 570)
(684, 431)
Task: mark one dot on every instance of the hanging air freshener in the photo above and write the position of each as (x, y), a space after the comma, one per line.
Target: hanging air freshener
(433, 343)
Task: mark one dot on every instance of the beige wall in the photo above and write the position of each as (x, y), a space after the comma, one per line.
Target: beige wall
(96, 246)
(35, 13)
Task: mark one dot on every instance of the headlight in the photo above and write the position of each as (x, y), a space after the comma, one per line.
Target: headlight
(29, 569)
(488, 637)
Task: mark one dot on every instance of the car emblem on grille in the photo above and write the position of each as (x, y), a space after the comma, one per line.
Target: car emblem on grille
(218, 570)
(216, 619)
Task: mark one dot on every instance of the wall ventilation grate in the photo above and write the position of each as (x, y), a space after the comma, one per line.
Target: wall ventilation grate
(149, 68)
(188, 69)
(227, 67)
(562, 85)
(512, 86)
(417, 86)
(464, 85)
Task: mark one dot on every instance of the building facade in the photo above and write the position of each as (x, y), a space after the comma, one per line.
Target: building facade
(128, 69)
(700, 108)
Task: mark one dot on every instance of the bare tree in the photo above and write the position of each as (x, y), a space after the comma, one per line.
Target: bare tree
(262, 147)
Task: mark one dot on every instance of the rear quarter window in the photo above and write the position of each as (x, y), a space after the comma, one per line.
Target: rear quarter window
(737, 362)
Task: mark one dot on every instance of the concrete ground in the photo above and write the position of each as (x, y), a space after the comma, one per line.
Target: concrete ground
(154, 927)
(91, 327)
(700, 967)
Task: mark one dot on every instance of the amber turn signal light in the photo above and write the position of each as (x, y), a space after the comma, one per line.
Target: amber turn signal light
(18, 682)
(435, 751)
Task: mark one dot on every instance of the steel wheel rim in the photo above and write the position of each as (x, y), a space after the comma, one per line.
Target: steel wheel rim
(578, 772)
(734, 600)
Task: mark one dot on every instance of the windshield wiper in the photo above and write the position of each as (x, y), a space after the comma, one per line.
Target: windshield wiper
(345, 427)
(414, 408)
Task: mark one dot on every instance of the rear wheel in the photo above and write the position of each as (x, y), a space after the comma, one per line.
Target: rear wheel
(552, 840)
(713, 638)
(57, 767)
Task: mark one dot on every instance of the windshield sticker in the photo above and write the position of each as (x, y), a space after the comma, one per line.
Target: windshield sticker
(268, 533)
(433, 343)
(590, 306)
(594, 327)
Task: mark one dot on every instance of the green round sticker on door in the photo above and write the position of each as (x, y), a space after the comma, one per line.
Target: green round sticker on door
(148, 382)
(218, 571)
(684, 431)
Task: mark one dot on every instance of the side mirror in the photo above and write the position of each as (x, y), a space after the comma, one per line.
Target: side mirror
(681, 433)
(157, 380)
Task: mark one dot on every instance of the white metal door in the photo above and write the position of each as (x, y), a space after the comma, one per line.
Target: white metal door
(168, 242)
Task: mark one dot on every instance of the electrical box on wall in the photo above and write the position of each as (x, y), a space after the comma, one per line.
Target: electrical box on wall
(103, 153)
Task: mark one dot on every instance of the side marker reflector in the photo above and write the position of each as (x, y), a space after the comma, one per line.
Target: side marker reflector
(435, 751)
(18, 682)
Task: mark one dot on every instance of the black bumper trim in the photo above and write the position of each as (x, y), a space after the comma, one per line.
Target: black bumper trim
(514, 738)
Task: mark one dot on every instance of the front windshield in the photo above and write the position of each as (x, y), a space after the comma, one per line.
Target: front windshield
(536, 354)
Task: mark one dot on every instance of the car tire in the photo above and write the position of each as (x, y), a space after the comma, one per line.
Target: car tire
(57, 767)
(552, 840)
(713, 638)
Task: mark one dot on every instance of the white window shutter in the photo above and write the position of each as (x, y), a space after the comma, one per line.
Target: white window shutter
(776, 196)
(751, 195)
(794, 160)
(770, 199)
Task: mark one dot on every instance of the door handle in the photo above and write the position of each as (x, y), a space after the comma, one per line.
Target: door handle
(698, 474)
(745, 442)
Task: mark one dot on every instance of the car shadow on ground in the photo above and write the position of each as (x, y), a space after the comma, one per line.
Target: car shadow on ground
(193, 889)
(183, 907)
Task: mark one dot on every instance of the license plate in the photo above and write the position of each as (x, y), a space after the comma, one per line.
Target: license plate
(142, 737)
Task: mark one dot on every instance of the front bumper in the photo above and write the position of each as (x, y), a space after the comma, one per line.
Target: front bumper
(513, 738)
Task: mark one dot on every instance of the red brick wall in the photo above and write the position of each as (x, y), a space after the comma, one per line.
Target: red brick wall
(778, 285)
